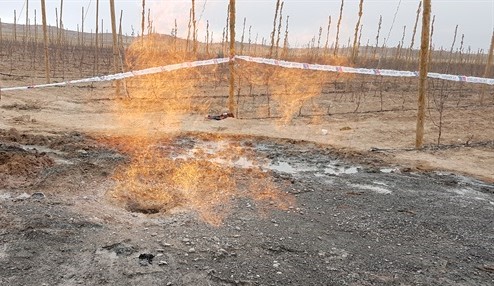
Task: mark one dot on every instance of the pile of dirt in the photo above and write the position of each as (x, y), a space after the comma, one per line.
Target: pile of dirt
(67, 142)
(14, 137)
(28, 160)
(19, 167)
(23, 156)
(17, 162)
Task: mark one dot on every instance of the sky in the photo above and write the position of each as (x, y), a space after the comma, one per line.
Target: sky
(475, 18)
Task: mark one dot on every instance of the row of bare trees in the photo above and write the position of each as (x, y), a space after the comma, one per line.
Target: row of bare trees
(460, 58)
(57, 43)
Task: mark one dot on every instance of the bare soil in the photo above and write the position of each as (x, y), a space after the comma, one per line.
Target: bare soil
(353, 220)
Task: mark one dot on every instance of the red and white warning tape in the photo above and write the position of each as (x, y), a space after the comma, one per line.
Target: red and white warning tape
(118, 76)
(280, 63)
(382, 72)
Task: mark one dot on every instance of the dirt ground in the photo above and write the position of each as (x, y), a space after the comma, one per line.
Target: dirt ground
(333, 219)
(341, 200)
(467, 137)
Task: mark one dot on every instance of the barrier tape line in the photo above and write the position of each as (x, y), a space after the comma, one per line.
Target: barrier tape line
(381, 72)
(118, 76)
(280, 63)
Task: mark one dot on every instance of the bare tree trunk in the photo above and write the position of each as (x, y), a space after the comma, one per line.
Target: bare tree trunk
(150, 23)
(120, 57)
(207, 38)
(409, 55)
(284, 53)
(60, 25)
(143, 19)
(250, 35)
(45, 39)
(96, 48)
(115, 47)
(120, 37)
(400, 47)
(189, 26)
(231, 101)
(35, 28)
(227, 26)
(431, 50)
(15, 26)
(326, 45)
(355, 39)
(279, 29)
(242, 38)
(274, 28)
(377, 37)
(194, 31)
(26, 27)
(82, 27)
(102, 34)
(442, 97)
(338, 29)
(490, 58)
(35, 35)
(58, 45)
(424, 57)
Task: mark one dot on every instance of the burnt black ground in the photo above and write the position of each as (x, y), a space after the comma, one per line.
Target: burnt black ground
(369, 227)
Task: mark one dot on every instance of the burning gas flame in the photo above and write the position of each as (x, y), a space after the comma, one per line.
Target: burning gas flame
(155, 180)
(207, 183)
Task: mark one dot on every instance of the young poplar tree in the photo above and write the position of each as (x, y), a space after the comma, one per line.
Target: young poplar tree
(424, 58)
